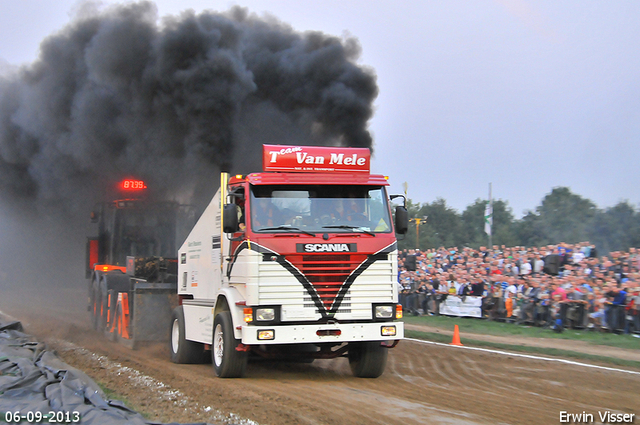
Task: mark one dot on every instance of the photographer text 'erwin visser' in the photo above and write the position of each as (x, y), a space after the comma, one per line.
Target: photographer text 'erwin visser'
(604, 417)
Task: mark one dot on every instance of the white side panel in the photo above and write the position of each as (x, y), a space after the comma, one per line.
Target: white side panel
(245, 275)
(277, 286)
(198, 323)
(199, 272)
(374, 285)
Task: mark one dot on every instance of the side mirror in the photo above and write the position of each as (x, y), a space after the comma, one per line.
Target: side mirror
(230, 215)
(402, 220)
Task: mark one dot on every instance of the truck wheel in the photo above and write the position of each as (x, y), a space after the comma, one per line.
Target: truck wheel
(367, 359)
(94, 305)
(183, 350)
(98, 307)
(227, 361)
(110, 319)
(102, 306)
(116, 330)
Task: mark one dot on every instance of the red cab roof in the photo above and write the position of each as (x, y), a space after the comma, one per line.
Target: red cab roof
(314, 178)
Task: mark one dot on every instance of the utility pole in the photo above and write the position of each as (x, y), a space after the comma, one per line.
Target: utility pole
(418, 221)
(488, 218)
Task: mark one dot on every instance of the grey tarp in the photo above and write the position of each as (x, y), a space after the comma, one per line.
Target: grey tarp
(33, 379)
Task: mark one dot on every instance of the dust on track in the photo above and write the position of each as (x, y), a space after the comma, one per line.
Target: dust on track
(422, 384)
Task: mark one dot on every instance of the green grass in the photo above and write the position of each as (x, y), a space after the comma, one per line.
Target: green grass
(480, 326)
(436, 337)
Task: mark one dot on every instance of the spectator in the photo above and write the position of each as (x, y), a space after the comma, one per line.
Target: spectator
(530, 296)
(634, 311)
(543, 313)
(512, 288)
(555, 313)
(558, 290)
(576, 300)
(599, 319)
(615, 310)
(477, 288)
(526, 268)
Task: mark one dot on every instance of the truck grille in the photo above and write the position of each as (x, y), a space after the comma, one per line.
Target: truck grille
(317, 285)
(327, 272)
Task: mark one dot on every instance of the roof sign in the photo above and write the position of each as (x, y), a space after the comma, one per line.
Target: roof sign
(315, 159)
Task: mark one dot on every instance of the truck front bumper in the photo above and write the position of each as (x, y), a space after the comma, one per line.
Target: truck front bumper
(313, 333)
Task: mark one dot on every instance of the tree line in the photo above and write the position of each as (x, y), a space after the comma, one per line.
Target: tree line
(562, 216)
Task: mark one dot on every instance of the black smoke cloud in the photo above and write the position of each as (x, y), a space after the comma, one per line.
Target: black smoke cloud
(118, 92)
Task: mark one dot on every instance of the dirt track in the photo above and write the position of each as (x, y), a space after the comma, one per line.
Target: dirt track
(422, 384)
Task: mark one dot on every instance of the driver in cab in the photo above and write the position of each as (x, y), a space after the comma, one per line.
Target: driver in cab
(265, 214)
(348, 209)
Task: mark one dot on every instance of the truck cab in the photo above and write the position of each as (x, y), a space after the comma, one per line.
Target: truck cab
(133, 255)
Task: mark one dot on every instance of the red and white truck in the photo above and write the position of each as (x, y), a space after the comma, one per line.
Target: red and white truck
(296, 262)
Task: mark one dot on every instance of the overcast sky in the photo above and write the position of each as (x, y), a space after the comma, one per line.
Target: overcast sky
(526, 95)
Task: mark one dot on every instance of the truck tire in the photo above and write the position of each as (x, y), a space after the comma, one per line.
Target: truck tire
(94, 305)
(227, 361)
(183, 350)
(98, 306)
(116, 330)
(103, 305)
(367, 359)
(111, 317)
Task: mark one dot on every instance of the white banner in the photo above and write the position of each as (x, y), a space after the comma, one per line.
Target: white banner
(454, 306)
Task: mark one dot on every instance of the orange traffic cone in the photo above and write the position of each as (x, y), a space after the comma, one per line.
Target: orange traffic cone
(456, 337)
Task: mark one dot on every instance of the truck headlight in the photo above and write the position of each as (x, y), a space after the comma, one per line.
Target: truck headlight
(384, 311)
(265, 314)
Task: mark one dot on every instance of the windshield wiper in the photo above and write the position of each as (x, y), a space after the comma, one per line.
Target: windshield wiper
(290, 228)
(353, 228)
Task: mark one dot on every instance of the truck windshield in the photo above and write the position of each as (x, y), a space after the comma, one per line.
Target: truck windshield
(144, 231)
(319, 208)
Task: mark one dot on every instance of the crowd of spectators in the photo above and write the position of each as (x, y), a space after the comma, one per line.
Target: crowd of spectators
(556, 286)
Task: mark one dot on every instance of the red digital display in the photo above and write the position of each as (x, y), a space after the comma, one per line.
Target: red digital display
(133, 185)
